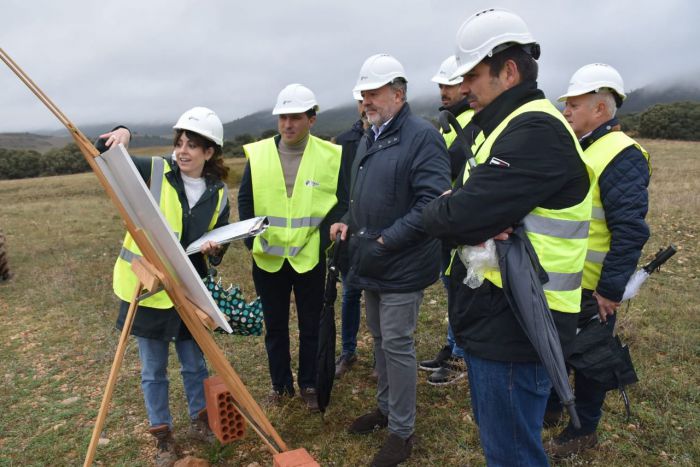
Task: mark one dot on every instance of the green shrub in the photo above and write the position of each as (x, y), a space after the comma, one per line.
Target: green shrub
(15, 163)
(67, 160)
(680, 120)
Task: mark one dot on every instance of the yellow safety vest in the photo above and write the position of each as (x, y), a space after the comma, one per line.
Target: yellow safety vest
(559, 236)
(598, 156)
(293, 233)
(124, 280)
(463, 119)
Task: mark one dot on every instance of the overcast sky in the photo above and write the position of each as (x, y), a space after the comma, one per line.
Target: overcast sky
(149, 60)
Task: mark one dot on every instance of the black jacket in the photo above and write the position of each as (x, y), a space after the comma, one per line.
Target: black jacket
(541, 168)
(246, 206)
(349, 141)
(166, 324)
(623, 192)
(393, 178)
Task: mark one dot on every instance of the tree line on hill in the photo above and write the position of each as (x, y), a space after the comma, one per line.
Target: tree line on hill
(679, 121)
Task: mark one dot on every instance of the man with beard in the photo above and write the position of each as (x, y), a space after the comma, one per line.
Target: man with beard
(401, 165)
(448, 365)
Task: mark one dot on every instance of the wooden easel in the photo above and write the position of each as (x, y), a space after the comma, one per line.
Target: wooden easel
(152, 274)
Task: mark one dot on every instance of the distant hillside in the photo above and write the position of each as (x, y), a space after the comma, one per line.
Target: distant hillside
(330, 122)
(643, 98)
(39, 143)
(43, 143)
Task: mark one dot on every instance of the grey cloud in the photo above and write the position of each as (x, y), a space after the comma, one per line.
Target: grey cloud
(150, 60)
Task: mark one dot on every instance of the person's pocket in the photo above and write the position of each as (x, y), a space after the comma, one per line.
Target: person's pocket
(372, 256)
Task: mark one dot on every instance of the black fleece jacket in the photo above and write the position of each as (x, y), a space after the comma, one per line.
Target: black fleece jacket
(537, 165)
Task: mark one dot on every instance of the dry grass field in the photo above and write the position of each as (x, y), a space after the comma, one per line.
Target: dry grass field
(58, 339)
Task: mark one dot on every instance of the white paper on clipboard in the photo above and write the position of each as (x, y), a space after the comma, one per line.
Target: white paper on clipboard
(228, 233)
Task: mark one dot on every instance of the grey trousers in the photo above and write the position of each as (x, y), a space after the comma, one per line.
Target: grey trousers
(392, 318)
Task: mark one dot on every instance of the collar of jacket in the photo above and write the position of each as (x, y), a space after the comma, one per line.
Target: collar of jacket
(175, 179)
(458, 108)
(599, 132)
(390, 135)
(490, 116)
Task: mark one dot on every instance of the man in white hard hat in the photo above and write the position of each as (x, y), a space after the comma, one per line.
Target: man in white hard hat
(617, 231)
(350, 310)
(448, 365)
(530, 170)
(401, 164)
(293, 179)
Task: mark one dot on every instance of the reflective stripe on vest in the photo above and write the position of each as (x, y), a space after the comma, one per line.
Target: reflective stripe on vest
(293, 232)
(124, 280)
(559, 236)
(598, 156)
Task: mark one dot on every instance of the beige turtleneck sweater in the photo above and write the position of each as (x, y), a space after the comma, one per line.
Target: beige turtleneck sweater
(290, 158)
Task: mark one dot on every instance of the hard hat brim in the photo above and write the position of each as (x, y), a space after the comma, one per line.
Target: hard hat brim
(447, 82)
(293, 110)
(464, 69)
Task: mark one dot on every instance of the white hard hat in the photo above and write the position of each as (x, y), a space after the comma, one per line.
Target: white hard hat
(357, 95)
(202, 121)
(295, 99)
(378, 70)
(486, 33)
(445, 72)
(594, 77)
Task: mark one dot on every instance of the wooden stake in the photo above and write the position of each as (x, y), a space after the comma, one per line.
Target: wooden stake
(116, 365)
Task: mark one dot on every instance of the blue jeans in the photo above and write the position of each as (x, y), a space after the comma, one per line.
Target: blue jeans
(154, 377)
(350, 318)
(446, 256)
(508, 401)
(457, 351)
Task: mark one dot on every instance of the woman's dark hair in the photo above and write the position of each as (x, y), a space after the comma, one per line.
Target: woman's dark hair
(214, 168)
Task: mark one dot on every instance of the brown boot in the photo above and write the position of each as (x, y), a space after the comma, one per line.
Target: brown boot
(199, 428)
(165, 444)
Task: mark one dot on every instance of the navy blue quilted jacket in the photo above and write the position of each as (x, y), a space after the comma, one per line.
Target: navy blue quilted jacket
(623, 192)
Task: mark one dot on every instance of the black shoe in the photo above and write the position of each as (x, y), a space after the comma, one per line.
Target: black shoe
(451, 371)
(344, 363)
(568, 443)
(369, 422)
(394, 451)
(310, 398)
(436, 363)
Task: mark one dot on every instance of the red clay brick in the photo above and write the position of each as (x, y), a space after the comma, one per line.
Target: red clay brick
(296, 458)
(224, 420)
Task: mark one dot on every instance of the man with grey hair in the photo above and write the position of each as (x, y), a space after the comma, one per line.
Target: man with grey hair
(617, 230)
(401, 164)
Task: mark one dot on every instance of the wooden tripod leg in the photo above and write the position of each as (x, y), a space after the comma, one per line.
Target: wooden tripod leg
(116, 365)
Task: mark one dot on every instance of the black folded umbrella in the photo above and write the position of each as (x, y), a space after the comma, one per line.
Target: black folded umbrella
(523, 278)
(325, 355)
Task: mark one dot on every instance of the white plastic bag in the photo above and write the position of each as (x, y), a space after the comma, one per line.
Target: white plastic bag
(478, 259)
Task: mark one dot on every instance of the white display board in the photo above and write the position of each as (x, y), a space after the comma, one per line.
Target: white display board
(129, 187)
